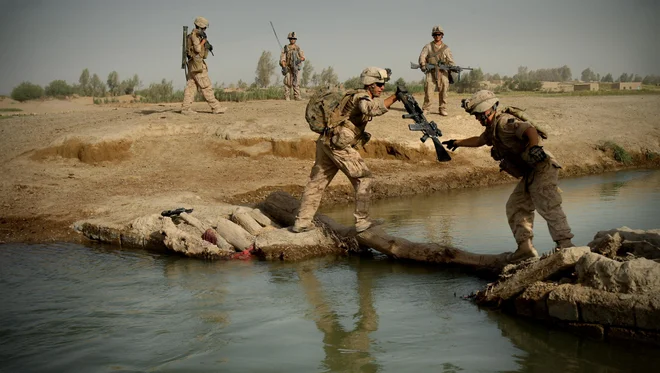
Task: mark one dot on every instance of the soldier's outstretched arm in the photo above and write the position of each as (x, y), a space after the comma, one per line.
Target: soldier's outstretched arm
(389, 101)
(470, 142)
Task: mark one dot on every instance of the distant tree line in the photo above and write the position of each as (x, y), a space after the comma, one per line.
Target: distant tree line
(267, 76)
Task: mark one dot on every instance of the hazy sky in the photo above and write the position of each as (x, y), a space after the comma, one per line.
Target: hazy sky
(44, 40)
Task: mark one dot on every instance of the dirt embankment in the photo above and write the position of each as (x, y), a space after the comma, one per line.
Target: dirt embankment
(78, 160)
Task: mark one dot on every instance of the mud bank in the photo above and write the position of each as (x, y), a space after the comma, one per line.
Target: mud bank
(608, 290)
(120, 163)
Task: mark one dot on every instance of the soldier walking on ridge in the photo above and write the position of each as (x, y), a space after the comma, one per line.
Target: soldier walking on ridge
(197, 50)
(433, 53)
(290, 59)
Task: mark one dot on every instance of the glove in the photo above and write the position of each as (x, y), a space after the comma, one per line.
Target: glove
(451, 144)
(536, 154)
(423, 68)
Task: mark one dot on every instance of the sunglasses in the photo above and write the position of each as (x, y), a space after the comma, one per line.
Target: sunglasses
(380, 85)
(434, 35)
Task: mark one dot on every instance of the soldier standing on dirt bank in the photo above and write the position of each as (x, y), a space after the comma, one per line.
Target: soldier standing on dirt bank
(515, 144)
(198, 75)
(290, 59)
(335, 150)
(433, 53)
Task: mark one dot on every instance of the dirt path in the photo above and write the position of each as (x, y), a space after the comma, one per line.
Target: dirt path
(71, 159)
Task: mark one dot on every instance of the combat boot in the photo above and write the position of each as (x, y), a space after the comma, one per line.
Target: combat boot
(564, 244)
(219, 110)
(443, 112)
(188, 112)
(367, 223)
(525, 251)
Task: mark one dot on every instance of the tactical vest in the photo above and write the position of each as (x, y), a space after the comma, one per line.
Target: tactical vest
(291, 55)
(436, 54)
(511, 160)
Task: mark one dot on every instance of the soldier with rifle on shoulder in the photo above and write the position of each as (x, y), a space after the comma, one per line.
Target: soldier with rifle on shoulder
(290, 59)
(197, 49)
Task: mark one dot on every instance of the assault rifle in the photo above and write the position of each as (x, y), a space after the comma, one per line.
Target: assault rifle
(176, 212)
(450, 68)
(429, 129)
(207, 45)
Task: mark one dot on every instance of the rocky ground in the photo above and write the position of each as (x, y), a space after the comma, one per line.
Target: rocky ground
(67, 160)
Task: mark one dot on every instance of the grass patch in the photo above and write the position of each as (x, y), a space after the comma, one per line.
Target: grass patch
(270, 93)
(619, 153)
(9, 110)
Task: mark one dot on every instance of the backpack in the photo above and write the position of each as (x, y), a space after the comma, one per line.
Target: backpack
(520, 114)
(324, 109)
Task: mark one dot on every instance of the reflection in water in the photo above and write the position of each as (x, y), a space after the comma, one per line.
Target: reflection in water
(552, 350)
(607, 191)
(345, 351)
(73, 308)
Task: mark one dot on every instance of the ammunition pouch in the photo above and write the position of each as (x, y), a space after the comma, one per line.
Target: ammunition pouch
(195, 64)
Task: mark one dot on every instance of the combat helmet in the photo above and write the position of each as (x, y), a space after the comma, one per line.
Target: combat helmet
(437, 29)
(201, 22)
(480, 102)
(372, 75)
(292, 35)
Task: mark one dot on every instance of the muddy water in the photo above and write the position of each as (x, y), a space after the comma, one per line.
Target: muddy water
(69, 308)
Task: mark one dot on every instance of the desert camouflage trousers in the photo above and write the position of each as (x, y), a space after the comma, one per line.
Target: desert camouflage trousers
(429, 88)
(202, 81)
(289, 84)
(538, 191)
(328, 161)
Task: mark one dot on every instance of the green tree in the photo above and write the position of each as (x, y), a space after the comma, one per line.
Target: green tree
(623, 78)
(265, 69)
(496, 76)
(607, 78)
(353, 83)
(316, 78)
(586, 75)
(27, 91)
(97, 86)
(307, 72)
(328, 77)
(637, 78)
(84, 81)
(58, 88)
(129, 86)
(113, 83)
(242, 85)
(565, 73)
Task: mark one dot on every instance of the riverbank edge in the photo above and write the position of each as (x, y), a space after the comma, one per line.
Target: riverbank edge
(57, 227)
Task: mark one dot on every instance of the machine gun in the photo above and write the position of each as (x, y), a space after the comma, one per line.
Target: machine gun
(429, 129)
(176, 212)
(450, 68)
(207, 45)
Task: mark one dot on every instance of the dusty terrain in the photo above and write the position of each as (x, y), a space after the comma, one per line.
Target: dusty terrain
(63, 161)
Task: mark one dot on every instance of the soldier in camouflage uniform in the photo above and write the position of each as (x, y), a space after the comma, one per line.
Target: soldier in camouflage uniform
(515, 144)
(198, 75)
(433, 53)
(335, 150)
(291, 53)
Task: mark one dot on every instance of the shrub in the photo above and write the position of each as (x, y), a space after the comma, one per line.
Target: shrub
(619, 153)
(270, 93)
(27, 91)
(59, 88)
